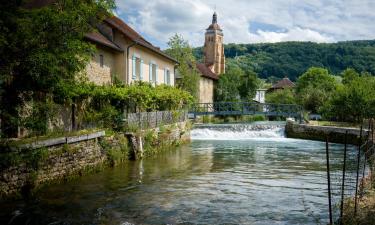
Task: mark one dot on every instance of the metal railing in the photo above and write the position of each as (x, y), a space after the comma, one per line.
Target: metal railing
(246, 108)
(349, 175)
(144, 120)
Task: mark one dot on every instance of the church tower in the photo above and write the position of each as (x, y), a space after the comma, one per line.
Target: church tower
(214, 57)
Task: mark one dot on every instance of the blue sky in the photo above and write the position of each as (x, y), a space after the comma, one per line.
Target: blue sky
(251, 21)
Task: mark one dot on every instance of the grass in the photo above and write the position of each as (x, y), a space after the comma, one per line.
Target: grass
(333, 124)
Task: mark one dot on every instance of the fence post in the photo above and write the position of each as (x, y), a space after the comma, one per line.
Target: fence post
(343, 179)
(356, 182)
(329, 184)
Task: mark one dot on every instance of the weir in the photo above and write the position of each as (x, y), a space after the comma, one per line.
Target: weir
(239, 131)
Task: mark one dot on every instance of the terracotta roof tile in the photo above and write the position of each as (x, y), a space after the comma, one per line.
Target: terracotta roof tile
(284, 83)
(100, 39)
(206, 72)
(134, 36)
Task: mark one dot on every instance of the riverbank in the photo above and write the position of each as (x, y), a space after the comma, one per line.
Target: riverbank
(25, 167)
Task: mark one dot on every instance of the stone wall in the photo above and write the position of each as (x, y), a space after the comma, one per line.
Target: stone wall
(319, 133)
(206, 90)
(101, 74)
(29, 165)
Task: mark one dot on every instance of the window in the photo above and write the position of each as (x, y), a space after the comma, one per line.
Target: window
(153, 72)
(167, 77)
(101, 58)
(137, 68)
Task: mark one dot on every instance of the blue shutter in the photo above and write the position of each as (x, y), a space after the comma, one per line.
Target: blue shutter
(141, 74)
(150, 72)
(134, 74)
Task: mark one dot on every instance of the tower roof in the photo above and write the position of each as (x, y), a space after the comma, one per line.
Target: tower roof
(214, 25)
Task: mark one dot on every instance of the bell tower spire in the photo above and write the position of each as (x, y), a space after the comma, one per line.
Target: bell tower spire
(214, 57)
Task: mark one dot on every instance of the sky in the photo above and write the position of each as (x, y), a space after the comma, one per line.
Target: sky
(251, 21)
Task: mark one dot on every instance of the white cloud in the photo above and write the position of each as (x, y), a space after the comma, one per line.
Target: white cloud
(300, 20)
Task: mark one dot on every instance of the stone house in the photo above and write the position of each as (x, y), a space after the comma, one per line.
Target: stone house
(213, 63)
(124, 54)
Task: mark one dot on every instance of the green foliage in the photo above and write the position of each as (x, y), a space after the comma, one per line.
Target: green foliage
(282, 96)
(354, 100)
(294, 58)
(236, 84)
(116, 153)
(189, 77)
(42, 48)
(314, 88)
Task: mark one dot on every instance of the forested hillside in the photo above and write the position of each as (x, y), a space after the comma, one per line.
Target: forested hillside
(292, 59)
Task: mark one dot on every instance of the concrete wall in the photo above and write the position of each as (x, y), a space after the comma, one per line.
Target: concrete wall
(319, 133)
(206, 90)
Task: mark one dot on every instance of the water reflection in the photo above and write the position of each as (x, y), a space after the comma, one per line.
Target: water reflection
(207, 182)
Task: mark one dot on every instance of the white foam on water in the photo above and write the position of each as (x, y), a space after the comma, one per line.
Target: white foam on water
(238, 133)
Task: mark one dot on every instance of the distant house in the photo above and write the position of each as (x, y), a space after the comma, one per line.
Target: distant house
(282, 84)
(126, 55)
(260, 95)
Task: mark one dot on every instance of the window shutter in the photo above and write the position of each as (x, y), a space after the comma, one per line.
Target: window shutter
(141, 72)
(156, 76)
(150, 72)
(165, 76)
(134, 72)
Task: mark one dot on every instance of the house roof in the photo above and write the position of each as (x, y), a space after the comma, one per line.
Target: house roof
(134, 36)
(284, 83)
(206, 72)
(101, 39)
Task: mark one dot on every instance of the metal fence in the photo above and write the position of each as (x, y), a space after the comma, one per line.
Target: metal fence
(349, 174)
(144, 120)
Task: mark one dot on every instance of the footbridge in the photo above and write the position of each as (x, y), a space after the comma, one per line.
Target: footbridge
(246, 108)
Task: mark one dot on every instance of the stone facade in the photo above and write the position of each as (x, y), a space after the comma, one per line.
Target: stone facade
(206, 90)
(101, 73)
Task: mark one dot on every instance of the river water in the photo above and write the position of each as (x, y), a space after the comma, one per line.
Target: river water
(229, 174)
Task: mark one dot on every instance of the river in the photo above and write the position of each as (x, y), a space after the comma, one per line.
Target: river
(229, 174)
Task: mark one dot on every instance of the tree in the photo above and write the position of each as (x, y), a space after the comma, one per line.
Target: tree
(227, 87)
(349, 75)
(189, 77)
(42, 48)
(354, 100)
(315, 87)
(283, 96)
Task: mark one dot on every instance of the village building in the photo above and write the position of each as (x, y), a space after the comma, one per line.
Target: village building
(282, 84)
(124, 54)
(213, 62)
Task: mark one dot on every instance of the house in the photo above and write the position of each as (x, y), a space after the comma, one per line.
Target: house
(124, 54)
(260, 95)
(213, 63)
(282, 84)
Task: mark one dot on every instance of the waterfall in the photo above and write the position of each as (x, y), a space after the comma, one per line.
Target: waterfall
(272, 131)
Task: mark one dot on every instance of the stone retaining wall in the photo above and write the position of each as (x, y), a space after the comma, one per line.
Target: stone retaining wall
(57, 159)
(319, 133)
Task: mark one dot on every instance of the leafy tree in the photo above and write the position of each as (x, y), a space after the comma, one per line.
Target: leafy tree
(42, 48)
(189, 77)
(349, 75)
(315, 87)
(282, 96)
(227, 87)
(354, 100)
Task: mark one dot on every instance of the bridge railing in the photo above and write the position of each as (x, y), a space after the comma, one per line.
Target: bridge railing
(245, 108)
